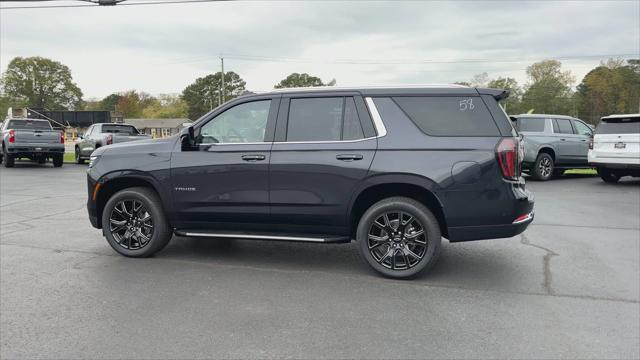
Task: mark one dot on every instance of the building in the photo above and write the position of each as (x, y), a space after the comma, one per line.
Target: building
(158, 128)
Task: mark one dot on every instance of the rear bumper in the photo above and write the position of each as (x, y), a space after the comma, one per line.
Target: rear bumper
(617, 166)
(34, 149)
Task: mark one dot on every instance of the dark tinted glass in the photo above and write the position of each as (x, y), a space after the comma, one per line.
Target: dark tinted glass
(619, 126)
(28, 125)
(564, 126)
(315, 119)
(119, 129)
(530, 124)
(352, 129)
(449, 116)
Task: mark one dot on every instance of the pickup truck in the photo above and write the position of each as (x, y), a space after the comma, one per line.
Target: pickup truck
(34, 139)
(103, 134)
(552, 144)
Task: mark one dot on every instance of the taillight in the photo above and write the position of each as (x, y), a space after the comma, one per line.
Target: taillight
(12, 136)
(109, 140)
(508, 155)
(61, 138)
(591, 144)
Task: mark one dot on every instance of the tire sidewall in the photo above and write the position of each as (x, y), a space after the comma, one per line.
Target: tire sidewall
(426, 219)
(158, 238)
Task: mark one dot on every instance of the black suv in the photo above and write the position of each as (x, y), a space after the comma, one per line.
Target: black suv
(395, 169)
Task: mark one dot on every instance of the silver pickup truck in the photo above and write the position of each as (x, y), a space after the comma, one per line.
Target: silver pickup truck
(103, 134)
(33, 139)
(553, 144)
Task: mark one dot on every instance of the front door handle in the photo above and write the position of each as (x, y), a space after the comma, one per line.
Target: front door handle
(253, 157)
(349, 157)
(563, 139)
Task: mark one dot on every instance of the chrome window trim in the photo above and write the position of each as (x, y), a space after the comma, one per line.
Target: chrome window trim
(377, 120)
(324, 142)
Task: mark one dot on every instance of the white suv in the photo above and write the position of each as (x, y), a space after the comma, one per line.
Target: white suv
(615, 150)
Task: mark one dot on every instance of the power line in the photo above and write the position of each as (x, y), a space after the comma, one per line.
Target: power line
(99, 3)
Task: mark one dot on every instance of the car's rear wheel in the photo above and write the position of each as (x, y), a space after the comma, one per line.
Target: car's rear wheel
(399, 237)
(608, 175)
(79, 159)
(8, 159)
(58, 159)
(134, 223)
(543, 168)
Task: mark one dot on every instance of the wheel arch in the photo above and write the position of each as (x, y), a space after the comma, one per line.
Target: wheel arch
(112, 183)
(380, 187)
(548, 150)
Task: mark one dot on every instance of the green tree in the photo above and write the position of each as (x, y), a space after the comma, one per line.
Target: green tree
(110, 102)
(41, 83)
(168, 106)
(301, 80)
(549, 89)
(204, 93)
(611, 88)
(512, 104)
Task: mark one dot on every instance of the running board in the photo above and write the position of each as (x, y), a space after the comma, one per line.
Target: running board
(258, 236)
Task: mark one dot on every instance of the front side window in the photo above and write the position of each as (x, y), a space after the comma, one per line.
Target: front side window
(563, 126)
(449, 115)
(242, 123)
(582, 129)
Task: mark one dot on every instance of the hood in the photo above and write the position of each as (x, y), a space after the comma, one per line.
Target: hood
(139, 146)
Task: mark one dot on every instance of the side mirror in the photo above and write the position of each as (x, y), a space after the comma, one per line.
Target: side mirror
(80, 136)
(187, 136)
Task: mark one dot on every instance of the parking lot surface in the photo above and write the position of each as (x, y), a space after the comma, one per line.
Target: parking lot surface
(568, 287)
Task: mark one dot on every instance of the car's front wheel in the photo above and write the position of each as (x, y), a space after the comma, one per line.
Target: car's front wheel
(399, 237)
(134, 223)
(79, 159)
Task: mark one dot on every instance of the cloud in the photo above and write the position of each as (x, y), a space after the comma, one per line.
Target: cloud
(163, 48)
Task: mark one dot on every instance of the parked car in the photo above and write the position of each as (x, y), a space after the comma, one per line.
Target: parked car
(615, 150)
(99, 135)
(553, 144)
(33, 139)
(393, 168)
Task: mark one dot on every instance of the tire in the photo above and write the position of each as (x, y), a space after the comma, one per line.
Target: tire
(58, 160)
(543, 167)
(136, 245)
(79, 159)
(426, 245)
(608, 176)
(42, 160)
(8, 160)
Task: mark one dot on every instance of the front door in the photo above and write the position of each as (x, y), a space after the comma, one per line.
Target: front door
(584, 134)
(320, 155)
(224, 182)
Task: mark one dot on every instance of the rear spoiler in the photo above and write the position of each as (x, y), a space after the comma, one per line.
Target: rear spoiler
(498, 94)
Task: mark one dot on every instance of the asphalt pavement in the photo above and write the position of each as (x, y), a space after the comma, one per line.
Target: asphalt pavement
(569, 287)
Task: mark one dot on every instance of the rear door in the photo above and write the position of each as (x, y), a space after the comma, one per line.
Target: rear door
(322, 150)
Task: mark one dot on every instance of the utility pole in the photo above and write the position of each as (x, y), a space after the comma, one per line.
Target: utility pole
(222, 92)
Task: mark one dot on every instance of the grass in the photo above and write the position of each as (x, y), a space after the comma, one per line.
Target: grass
(69, 157)
(581, 172)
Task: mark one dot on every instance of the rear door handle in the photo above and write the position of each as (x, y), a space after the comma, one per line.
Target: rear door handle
(349, 157)
(253, 157)
(563, 139)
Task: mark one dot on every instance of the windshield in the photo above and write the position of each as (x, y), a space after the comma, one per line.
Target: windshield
(29, 125)
(627, 125)
(119, 129)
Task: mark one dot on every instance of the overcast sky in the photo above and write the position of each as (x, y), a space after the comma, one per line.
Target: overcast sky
(163, 48)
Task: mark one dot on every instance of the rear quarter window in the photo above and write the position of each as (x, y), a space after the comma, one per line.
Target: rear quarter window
(449, 115)
(530, 124)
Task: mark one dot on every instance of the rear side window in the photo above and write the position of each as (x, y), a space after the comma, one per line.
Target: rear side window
(530, 124)
(449, 116)
(323, 119)
(28, 125)
(629, 125)
(562, 126)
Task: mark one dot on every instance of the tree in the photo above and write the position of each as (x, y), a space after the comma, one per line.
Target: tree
(301, 80)
(611, 88)
(204, 94)
(168, 106)
(512, 103)
(129, 104)
(549, 89)
(41, 83)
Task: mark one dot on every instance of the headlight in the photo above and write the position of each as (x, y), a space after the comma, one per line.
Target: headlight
(93, 160)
